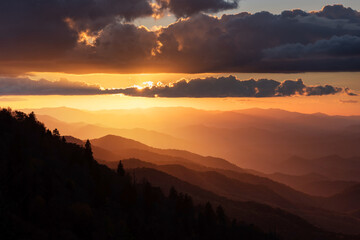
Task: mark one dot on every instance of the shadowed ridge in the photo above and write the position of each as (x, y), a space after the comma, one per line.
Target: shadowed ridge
(53, 189)
(262, 215)
(118, 144)
(347, 201)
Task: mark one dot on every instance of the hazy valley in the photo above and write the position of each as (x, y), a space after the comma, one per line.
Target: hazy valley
(322, 193)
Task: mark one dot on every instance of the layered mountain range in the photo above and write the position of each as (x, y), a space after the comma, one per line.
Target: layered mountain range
(281, 171)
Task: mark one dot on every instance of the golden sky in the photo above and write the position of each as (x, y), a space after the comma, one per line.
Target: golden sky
(333, 105)
(341, 79)
(339, 104)
(116, 51)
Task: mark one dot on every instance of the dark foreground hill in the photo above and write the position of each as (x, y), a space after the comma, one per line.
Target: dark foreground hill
(50, 189)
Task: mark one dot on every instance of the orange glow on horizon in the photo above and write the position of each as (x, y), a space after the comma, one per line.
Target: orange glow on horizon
(332, 105)
(340, 79)
(335, 104)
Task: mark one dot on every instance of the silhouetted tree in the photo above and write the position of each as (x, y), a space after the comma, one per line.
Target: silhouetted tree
(173, 195)
(48, 133)
(209, 214)
(88, 149)
(20, 115)
(88, 146)
(220, 215)
(56, 133)
(32, 117)
(120, 169)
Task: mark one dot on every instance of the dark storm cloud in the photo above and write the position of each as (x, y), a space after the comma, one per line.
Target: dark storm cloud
(196, 88)
(339, 12)
(336, 46)
(119, 46)
(185, 8)
(231, 87)
(290, 87)
(46, 29)
(239, 43)
(44, 36)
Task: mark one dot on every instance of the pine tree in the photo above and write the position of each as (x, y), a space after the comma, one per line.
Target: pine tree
(220, 215)
(32, 117)
(56, 132)
(173, 194)
(88, 149)
(209, 214)
(120, 169)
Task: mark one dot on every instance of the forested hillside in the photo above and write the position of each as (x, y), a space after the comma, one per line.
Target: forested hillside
(51, 189)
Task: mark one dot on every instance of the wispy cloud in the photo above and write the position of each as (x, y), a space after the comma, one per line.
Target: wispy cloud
(349, 101)
(11, 99)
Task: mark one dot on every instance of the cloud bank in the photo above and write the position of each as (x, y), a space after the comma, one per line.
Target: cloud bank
(344, 46)
(88, 36)
(196, 88)
(97, 36)
(260, 42)
(26, 86)
(232, 87)
(47, 29)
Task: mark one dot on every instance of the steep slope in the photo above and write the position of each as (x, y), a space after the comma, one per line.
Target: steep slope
(50, 189)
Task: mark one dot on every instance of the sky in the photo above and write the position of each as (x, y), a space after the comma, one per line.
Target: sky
(215, 54)
(253, 6)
